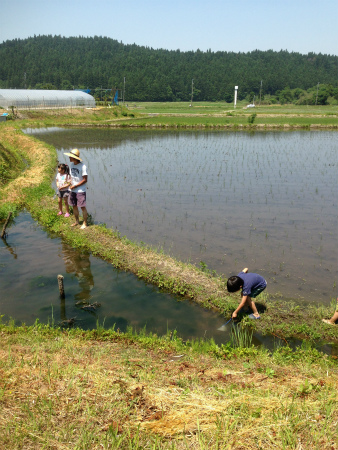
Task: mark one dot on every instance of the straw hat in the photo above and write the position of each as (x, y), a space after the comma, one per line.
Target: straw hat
(74, 154)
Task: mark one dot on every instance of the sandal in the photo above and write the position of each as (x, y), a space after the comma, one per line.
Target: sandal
(252, 316)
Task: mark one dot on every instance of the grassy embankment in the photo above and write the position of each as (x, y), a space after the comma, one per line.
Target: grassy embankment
(101, 389)
(104, 390)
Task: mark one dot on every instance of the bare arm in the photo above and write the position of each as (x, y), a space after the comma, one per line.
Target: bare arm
(85, 177)
(240, 306)
(63, 186)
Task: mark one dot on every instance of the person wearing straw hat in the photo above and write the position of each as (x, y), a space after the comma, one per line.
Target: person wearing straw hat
(77, 196)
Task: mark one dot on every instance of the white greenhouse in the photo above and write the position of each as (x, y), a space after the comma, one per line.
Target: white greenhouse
(43, 99)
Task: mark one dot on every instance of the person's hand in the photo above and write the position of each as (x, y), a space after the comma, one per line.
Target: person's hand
(234, 315)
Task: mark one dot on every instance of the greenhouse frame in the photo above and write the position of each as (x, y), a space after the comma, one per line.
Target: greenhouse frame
(44, 99)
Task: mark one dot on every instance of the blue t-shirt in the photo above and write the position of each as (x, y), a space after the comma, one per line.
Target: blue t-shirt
(251, 281)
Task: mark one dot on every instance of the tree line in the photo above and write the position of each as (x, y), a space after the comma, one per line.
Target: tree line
(101, 63)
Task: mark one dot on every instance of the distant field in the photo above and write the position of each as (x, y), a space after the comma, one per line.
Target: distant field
(180, 114)
(233, 119)
(223, 108)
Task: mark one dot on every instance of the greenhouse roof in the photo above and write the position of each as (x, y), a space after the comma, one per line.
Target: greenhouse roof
(30, 99)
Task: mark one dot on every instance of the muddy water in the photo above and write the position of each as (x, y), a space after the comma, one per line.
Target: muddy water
(267, 201)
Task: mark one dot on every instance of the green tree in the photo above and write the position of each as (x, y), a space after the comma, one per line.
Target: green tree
(66, 85)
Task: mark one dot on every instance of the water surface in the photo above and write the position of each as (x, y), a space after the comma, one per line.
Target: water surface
(31, 259)
(267, 201)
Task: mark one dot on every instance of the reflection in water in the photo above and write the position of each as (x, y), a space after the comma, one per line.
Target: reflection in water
(63, 309)
(9, 248)
(79, 264)
(30, 281)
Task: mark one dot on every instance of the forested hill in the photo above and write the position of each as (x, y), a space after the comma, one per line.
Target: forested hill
(156, 75)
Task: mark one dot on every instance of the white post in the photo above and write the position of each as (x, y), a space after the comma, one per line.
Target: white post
(192, 91)
(235, 102)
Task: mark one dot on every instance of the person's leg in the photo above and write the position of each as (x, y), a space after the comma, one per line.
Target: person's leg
(72, 201)
(333, 319)
(66, 204)
(85, 217)
(76, 215)
(60, 205)
(249, 302)
(81, 203)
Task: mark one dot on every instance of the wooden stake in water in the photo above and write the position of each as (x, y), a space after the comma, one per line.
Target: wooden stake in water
(6, 223)
(61, 287)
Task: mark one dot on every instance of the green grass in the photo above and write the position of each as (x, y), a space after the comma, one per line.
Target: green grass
(101, 389)
(228, 121)
(181, 107)
(223, 107)
(11, 163)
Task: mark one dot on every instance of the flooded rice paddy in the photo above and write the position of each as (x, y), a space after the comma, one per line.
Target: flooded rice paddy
(228, 200)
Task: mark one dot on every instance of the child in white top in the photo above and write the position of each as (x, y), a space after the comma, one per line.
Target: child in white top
(63, 182)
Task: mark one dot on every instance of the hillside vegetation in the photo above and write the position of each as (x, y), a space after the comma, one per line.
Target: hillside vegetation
(101, 63)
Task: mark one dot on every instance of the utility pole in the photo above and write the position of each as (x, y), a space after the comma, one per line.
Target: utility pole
(317, 93)
(192, 91)
(24, 77)
(124, 89)
(260, 93)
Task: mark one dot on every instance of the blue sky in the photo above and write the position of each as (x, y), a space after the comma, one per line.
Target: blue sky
(239, 25)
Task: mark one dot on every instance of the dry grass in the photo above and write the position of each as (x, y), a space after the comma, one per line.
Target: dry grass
(64, 392)
(37, 155)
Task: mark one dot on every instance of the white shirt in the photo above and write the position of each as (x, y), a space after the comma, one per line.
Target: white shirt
(62, 179)
(77, 171)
